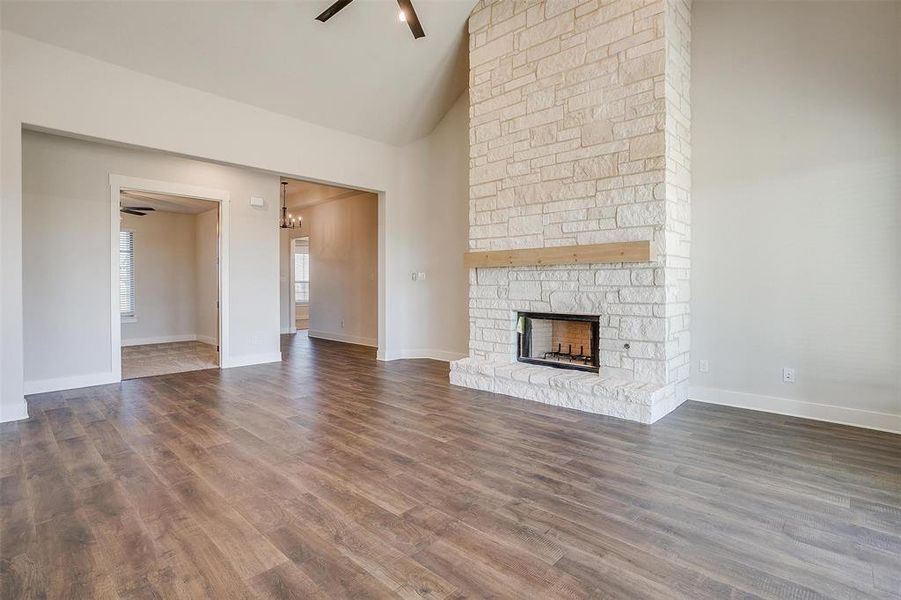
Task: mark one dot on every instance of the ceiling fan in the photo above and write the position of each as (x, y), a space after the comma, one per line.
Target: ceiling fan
(138, 211)
(406, 14)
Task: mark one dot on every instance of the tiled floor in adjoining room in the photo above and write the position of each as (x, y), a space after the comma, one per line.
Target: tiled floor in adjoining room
(161, 359)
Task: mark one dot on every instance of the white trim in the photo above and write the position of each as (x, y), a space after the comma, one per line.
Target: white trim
(70, 383)
(341, 337)
(117, 184)
(798, 408)
(292, 322)
(382, 277)
(161, 339)
(168, 339)
(292, 298)
(442, 355)
(252, 359)
(14, 413)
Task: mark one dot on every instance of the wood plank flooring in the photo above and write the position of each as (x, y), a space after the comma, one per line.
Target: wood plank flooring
(331, 475)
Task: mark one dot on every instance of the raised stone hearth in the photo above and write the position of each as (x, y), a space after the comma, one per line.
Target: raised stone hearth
(579, 135)
(604, 395)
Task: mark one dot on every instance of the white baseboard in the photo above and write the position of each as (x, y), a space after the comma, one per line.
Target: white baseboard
(341, 337)
(43, 386)
(251, 359)
(168, 339)
(799, 408)
(14, 413)
(162, 339)
(442, 355)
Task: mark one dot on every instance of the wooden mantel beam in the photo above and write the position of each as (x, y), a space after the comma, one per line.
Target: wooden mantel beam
(616, 252)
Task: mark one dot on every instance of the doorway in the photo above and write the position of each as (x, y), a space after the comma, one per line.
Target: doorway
(329, 262)
(170, 278)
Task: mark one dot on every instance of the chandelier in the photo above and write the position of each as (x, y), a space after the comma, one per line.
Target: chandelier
(288, 221)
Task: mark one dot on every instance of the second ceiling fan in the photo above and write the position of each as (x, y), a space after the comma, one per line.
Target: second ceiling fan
(406, 14)
(138, 211)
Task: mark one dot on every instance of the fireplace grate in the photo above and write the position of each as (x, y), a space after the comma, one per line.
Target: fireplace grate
(558, 340)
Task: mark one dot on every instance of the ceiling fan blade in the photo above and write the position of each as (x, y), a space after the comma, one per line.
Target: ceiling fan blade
(144, 208)
(128, 211)
(332, 10)
(406, 6)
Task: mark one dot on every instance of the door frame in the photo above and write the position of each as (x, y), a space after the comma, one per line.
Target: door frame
(292, 301)
(118, 183)
(291, 286)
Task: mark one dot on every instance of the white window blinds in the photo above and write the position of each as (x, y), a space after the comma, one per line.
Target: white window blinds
(127, 273)
(302, 271)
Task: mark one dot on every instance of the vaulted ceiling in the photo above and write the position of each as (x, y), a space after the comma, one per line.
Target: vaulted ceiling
(361, 72)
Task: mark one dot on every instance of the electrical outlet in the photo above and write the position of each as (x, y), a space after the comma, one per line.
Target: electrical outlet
(788, 375)
(342, 323)
(704, 366)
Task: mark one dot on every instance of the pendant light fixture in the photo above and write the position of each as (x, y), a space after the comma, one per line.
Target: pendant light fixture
(287, 221)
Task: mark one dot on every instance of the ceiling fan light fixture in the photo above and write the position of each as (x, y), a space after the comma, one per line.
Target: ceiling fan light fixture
(138, 211)
(406, 15)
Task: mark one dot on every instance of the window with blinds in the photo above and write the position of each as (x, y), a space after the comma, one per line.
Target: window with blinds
(302, 271)
(127, 273)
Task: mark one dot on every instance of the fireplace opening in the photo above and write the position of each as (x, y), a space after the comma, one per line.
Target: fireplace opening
(561, 341)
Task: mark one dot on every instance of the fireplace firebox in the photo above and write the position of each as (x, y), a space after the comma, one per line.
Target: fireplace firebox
(560, 341)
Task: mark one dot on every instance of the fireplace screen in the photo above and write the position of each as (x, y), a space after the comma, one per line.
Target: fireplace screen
(562, 341)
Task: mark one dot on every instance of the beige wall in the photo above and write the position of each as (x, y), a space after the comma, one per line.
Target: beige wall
(206, 254)
(430, 205)
(343, 269)
(9, 409)
(70, 340)
(434, 174)
(446, 226)
(56, 89)
(796, 207)
(166, 273)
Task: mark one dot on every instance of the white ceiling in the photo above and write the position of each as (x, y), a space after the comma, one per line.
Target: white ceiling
(361, 72)
(166, 202)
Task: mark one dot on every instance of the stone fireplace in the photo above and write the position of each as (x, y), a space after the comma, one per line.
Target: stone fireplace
(579, 138)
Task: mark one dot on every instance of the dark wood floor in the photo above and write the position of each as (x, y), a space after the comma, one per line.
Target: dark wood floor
(332, 475)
